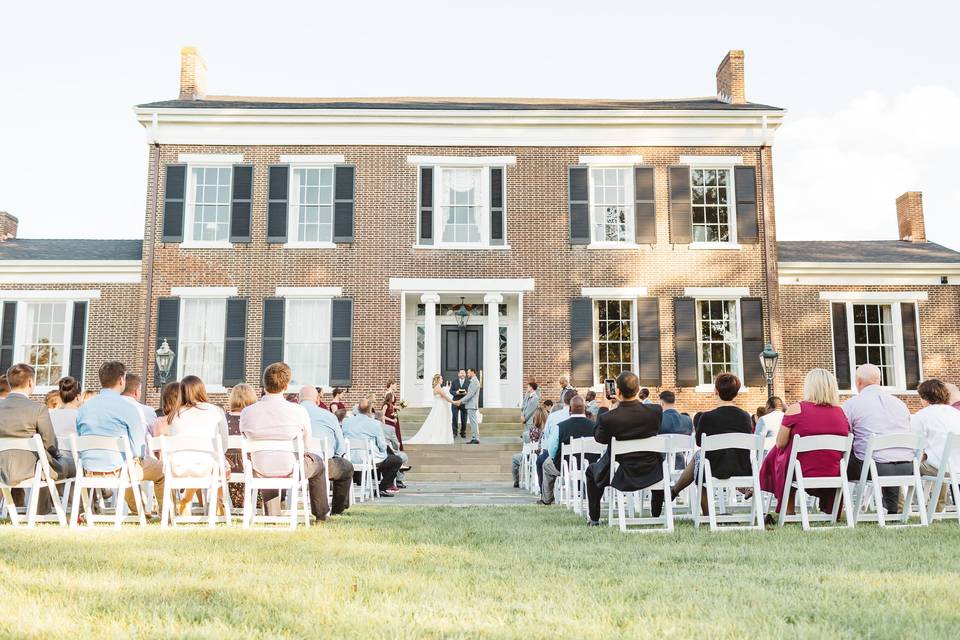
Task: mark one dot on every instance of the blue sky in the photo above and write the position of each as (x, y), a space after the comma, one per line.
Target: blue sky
(873, 90)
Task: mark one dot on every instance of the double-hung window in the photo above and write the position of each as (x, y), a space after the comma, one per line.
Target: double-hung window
(718, 339)
(462, 205)
(611, 204)
(45, 346)
(209, 193)
(202, 330)
(310, 216)
(306, 336)
(711, 194)
(613, 338)
(874, 341)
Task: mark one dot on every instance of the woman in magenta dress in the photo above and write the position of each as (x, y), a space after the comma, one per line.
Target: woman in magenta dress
(337, 403)
(818, 414)
(390, 417)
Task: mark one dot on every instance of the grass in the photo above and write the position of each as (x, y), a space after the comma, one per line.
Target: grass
(493, 572)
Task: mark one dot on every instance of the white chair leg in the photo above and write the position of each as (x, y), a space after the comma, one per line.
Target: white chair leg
(711, 504)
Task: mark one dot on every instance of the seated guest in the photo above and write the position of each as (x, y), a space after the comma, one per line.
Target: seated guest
(391, 418)
(935, 421)
(325, 428)
(556, 417)
(132, 389)
(818, 414)
(272, 417)
(631, 420)
(871, 412)
(65, 418)
(169, 401)
(336, 400)
(531, 402)
(727, 417)
(645, 396)
(578, 425)
(536, 431)
(21, 417)
(548, 405)
(87, 395)
(772, 416)
(4, 387)
(954, 394)
(110, 414)
(757, 415)
(394, 446)
(592, 405)
(362, 426)
(674, 422)
(241, 396)
(52, 399)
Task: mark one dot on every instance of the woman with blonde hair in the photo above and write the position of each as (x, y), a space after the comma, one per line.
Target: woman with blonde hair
(241, 396)
(436, 428)
(818, 414)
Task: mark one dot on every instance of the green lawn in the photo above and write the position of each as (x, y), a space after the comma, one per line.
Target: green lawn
(499, 572)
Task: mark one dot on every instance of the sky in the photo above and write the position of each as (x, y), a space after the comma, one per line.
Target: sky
(872, 90)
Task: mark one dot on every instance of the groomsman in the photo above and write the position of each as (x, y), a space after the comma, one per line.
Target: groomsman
(458, 389)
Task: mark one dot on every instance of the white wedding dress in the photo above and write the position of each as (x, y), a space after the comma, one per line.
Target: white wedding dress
(436, 428)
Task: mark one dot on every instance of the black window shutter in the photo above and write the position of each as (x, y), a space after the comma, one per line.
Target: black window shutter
(579, 204)
(7, 335)
(911, 344)
(235, 338)
(644, 213)
(681, 215)
(78, 340)
(241, 203)
(174, 194)
(581, 342)
(343, 202)
(841, 345)
(277, 197)
(272, 351)
(745, 181)
(341, 342)
(648, 341)
(426, 206)
(497, 219)
(168, 328)
(685, 341)
(751, 325)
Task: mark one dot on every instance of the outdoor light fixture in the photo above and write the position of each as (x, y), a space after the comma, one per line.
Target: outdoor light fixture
(165, 356)
(769, 358)
(461, 315)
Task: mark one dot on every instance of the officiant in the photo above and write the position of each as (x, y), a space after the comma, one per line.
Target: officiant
(458, 389)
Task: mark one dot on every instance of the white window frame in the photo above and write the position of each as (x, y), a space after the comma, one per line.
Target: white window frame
(20, 334)
(705, 387)
(899, 359)
(595, 315)
(631, 233)
(727, 163)
(201, 293)
(483, 209)
(293, 204)
(189, 214)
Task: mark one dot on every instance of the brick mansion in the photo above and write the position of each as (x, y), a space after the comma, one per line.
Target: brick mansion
(367, 239)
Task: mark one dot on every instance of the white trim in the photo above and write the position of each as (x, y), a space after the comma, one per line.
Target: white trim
(611, 160)
(610, 293)
(203, 292)
(211, 244)
(309, 292)
(332, 158)
(721, 246)
(462, 285)
(873, 296)
(462, 161)
(605, 246)
(716, 293)
(309, 245)
(868, 273)
(64, 295)
(69, 271)
(710, 161)
(203, 159)
(463, 247)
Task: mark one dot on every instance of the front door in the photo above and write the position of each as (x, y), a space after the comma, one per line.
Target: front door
(461, 349)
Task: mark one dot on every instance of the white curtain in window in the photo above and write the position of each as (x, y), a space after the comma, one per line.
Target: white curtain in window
(201, 339)
(307, 341)
(463, 196)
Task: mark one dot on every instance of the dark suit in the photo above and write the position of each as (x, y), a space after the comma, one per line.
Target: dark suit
(576, 427)
(21, 417)
(458, 410)
(631, 420)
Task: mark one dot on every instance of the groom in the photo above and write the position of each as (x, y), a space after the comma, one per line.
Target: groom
(471, 402)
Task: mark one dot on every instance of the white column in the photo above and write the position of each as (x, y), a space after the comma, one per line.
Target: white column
(430, 342)
(491, 352)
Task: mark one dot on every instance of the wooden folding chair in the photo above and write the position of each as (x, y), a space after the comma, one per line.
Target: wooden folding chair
(618, 499)
(732, 517)
(84, 485)
(795, 480)
(42, 478)
(213, 483)
(294, 484)
(870, 479)
(946, 474)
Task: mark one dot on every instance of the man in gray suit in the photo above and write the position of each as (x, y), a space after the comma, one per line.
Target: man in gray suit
(530, 403)
(21, 417)
(471, 401)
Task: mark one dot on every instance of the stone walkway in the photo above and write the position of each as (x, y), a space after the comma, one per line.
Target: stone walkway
(458, 494)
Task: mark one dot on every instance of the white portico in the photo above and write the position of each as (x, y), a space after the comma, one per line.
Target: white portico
(487, 336)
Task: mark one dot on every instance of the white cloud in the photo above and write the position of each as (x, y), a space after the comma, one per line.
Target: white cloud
(838, 174)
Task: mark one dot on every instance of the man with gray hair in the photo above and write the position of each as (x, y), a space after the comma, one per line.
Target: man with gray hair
(324, 427)
(578, 425)
(874, 411)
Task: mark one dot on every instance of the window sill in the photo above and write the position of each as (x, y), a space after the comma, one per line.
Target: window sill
(613, 245)
(216, 388)
(309, 245)
(464, 247)
(721, 246)
(206, 245)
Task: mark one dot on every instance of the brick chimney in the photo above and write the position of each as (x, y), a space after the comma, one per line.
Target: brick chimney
(910, 217)
(8, 226)
(193, 74)
(730, 78)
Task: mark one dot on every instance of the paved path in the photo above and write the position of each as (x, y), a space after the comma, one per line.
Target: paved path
(458, 494)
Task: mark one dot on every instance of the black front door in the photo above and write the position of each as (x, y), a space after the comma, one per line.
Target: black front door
(460, 349)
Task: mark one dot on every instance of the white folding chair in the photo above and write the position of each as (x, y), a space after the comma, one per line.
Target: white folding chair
(588, 446)
(562, 491)
(795, 480)
(42, 478)
(732, 517)
(618, 499)
(871, 479)
(234, 477)
(84, 485)
(946, 474)
(574, 461)
(294, 484)
(766, 439)
(533, 486)
(213, 483)
(683, 445)
(360, 451)
(525, 464)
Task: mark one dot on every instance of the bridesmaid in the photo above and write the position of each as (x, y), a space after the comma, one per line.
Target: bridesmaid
(390, 416)
(336, 402)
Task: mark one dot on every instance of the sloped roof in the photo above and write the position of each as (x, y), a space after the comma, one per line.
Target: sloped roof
(70, 249)
(878, 251)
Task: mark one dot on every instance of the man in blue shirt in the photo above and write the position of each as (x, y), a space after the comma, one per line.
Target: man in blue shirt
(362, 426)
(672, 421)
(577, 425)
(110, 414)
(324, 427)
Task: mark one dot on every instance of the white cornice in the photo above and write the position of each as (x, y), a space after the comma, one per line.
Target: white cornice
(463, 161)
(634, 127)
(613, 292)
(69, 271)
(309, 292)
(50, 294)
(866, 273)
(203, 292)
(873, 296)
(462, 285)
(716, 292)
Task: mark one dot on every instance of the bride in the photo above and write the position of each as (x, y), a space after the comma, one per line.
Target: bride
(436, 428)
